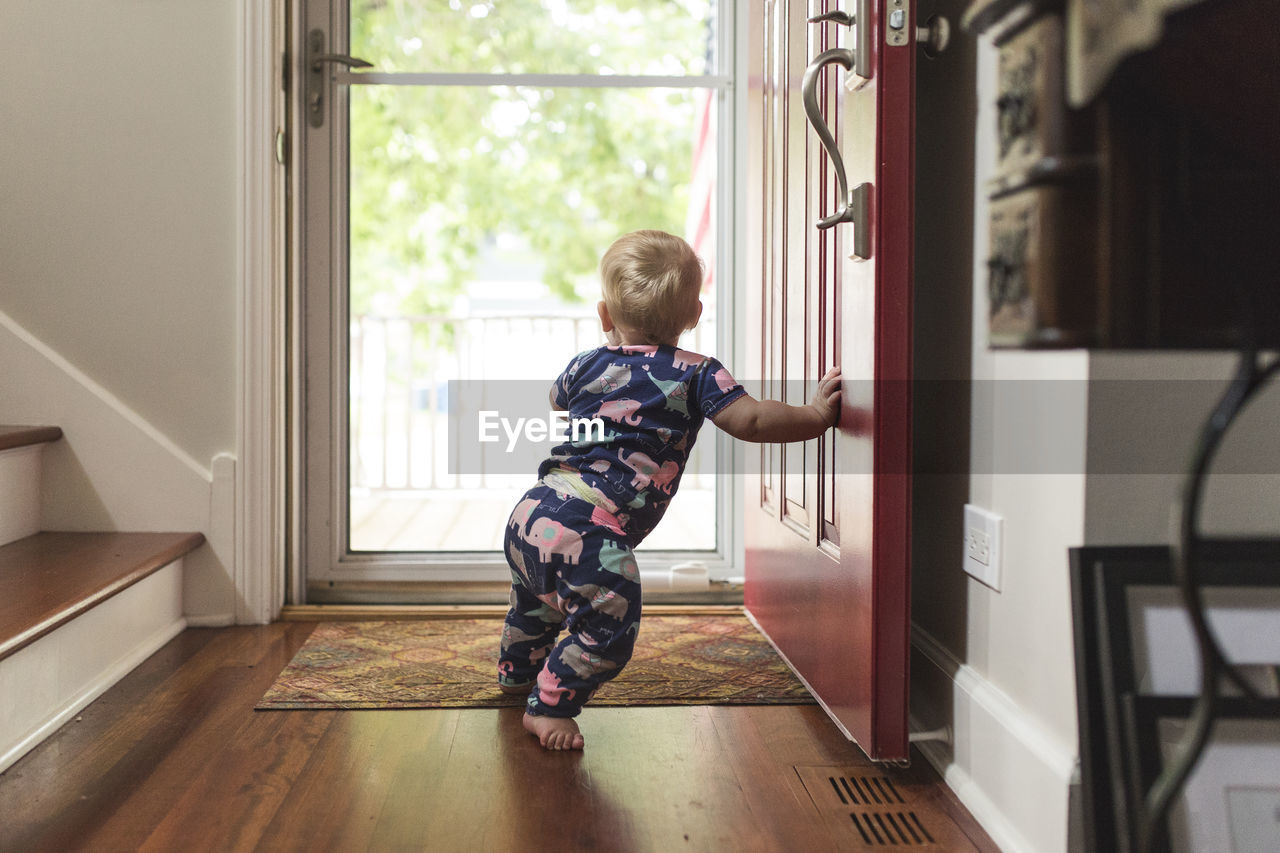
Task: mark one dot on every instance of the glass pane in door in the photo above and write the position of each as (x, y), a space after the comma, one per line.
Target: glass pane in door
(477, 218)
(654, 37)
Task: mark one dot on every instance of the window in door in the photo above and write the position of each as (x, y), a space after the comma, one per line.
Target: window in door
(457, 193)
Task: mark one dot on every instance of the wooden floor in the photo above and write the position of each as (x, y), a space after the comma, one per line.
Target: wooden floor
(175, 758)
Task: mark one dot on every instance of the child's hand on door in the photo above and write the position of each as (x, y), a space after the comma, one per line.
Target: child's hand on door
(827, 398)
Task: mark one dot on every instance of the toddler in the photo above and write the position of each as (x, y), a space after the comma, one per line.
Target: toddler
(569, 540)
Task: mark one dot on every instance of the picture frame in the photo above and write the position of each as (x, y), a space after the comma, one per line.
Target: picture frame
(1231, 800)
(1130, 638)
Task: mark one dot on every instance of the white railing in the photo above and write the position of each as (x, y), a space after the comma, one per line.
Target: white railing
(399, 373)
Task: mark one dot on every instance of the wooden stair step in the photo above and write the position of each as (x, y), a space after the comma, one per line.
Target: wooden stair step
(48, 579)
(12, 436)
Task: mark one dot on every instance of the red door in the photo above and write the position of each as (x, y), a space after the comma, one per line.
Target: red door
(828, 521)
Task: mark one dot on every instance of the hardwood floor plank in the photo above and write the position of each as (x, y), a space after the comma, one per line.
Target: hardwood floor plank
(175, 758)
(766, 747)
(213, 716)
(788, 734)
(268, 754)
(808, 738)
(373, 775)
(63, 793)
(474, 781)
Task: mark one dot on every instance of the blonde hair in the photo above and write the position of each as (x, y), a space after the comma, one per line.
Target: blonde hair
(651, 281)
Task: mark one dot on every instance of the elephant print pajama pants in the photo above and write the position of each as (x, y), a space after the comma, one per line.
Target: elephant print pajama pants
(572, 569)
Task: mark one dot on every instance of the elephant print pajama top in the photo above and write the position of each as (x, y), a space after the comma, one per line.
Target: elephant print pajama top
(569, 540)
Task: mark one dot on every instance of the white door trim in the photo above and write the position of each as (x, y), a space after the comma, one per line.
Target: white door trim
(259, 570)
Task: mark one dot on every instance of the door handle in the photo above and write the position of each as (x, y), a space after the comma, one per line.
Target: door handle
(856, 201)
(934, 36)
(316, 61)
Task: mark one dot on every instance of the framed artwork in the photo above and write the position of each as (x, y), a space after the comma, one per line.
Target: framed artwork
(1132, 639)
(1231, 801)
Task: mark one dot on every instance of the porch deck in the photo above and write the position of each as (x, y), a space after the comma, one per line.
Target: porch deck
(474, 520)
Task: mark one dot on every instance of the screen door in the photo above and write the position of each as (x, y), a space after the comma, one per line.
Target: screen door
(462, 168)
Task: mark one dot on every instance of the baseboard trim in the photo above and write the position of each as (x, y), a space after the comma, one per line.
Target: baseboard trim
(973, 797)
(1020, 796)
(213, 620)
(93, 690)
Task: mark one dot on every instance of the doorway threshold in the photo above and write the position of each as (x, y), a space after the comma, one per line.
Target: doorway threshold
(375, 612)
(379, 594)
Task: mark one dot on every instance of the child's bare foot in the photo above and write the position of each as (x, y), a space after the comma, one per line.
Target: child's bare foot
(554, 732)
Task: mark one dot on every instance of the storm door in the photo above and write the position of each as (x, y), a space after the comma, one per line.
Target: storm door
(460, 167)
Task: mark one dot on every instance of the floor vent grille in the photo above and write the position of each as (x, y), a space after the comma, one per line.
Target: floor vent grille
(866, 809)
(865, 790)
(891, 829)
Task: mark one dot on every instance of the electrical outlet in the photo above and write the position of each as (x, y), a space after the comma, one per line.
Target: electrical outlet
(982, 532)
(978, 545)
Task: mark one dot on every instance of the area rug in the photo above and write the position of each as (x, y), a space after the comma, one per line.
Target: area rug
(678, 660)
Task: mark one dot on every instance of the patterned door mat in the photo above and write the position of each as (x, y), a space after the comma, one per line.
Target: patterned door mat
(452, 663)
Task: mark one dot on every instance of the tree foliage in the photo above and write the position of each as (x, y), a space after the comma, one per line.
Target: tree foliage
(438, 171)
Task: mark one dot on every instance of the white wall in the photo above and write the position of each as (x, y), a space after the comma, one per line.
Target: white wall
(118, 229)
(1006, 431)
(1145, 413)
(113, 471)
(1069, 448)
(117, 201)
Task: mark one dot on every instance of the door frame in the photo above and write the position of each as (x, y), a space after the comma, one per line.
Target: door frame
(260, 471)
(452, 577)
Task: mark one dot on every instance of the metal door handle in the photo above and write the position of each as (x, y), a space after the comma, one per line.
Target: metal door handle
(934, 36)
(856, 202)
(315, 74)
(341, 59)
(813, 110)
(839, 17)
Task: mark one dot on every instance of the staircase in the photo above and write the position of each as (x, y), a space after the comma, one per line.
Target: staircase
(78, 611)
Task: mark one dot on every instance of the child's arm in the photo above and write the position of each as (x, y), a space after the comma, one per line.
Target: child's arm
(768, 421)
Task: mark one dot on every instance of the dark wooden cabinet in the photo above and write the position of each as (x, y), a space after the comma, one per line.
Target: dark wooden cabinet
(1135, 207)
